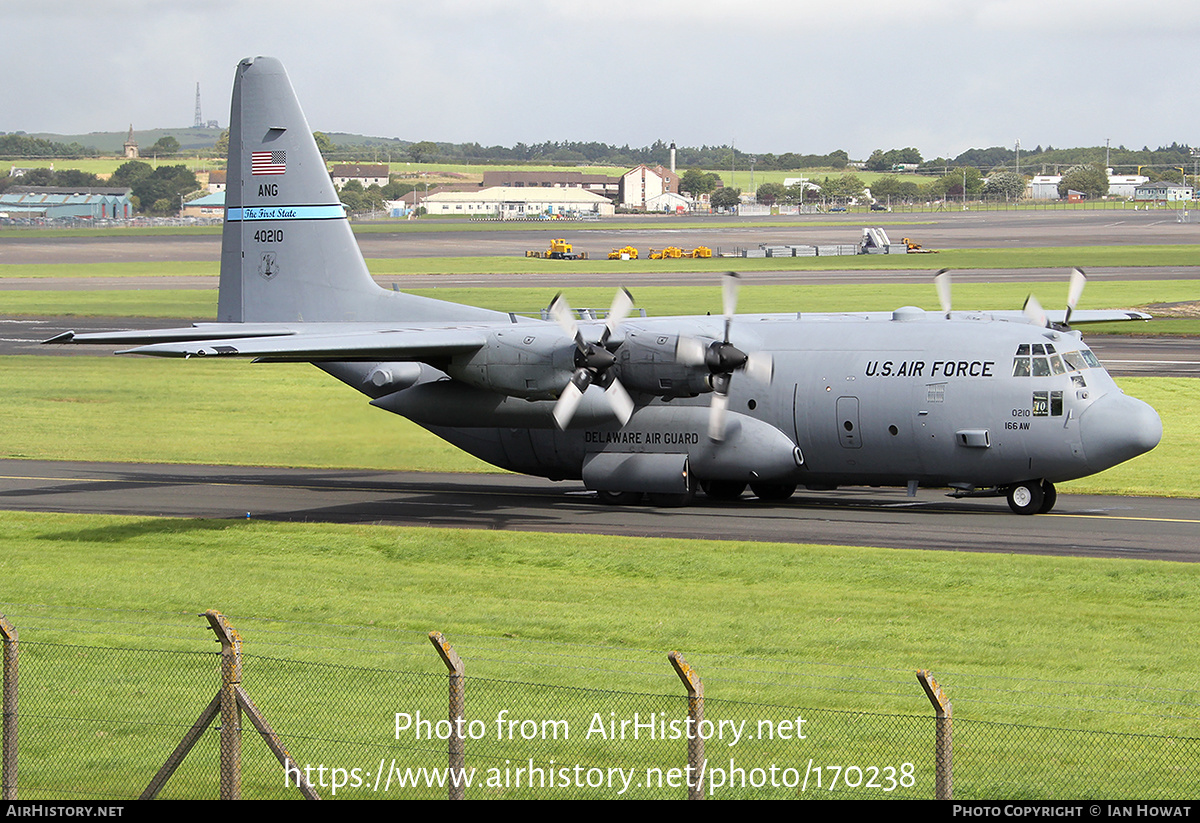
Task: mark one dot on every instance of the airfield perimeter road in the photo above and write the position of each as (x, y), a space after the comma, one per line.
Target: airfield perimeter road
(1080, 525)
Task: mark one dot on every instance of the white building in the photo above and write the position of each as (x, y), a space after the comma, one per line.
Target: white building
(368, 174)
(1162, 191)
(515, 202)
(642, 184)
(1124, 185)
(1044, 186)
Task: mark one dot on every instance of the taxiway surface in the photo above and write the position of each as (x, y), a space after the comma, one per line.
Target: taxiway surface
(1081, 525)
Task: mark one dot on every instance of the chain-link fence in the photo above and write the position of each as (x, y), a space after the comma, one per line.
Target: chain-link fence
(111, 723)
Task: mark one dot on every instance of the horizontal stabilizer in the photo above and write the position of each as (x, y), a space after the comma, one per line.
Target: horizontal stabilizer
(199, 332)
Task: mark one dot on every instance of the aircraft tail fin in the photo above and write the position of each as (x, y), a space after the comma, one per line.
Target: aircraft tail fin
(287, 251)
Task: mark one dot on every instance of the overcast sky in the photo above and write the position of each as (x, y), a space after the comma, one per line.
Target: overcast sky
(771, 76)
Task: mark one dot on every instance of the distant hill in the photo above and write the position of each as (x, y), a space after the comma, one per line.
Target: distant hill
(113, 142)
(192, 140)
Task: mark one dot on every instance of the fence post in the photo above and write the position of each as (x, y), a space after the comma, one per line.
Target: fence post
(943, 784)
(8, 634)
(231, 712)
(695, 690)
(456, 751)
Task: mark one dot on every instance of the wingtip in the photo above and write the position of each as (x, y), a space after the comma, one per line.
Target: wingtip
(65, 337)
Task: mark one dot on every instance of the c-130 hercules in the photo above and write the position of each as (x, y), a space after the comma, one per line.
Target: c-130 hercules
(984, 403)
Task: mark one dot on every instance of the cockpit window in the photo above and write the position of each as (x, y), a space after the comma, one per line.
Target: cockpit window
(1041, 360)
(1074, 361)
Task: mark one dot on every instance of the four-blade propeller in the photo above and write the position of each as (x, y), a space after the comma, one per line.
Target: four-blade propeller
(592, 361)
(722, 359)
(1034, 311)
(1032, 308)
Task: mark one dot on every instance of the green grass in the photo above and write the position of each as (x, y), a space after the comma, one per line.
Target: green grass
(1034, 641)
(658, 301)
(954, 259)
(149, 410)
(765, 605)
(139, 410)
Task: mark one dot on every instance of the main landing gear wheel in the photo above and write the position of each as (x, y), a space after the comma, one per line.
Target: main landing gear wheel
(619, 498)
(723, 489)
(671, 501)
(1049, 497)
(773, 491)
(1027, 498)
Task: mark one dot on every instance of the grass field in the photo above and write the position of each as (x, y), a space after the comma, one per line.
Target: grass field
(730, 606)
(329, 614)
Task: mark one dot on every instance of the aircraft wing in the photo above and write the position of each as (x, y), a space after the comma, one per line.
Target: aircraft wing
(282, 344)
(1080, 317)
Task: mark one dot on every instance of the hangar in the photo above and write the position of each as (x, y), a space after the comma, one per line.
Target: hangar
(55, 203)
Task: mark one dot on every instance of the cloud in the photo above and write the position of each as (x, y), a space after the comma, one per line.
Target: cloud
(776, 76)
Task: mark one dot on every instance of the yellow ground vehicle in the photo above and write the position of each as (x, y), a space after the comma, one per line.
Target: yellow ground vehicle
(669, 253)
(559, 249)
(626, 253)
(915, 248)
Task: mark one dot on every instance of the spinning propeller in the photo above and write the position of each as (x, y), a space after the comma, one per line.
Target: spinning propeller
(941, 280)
(722, 359)
(1034, 311)
(1032, 308)
(592, 361)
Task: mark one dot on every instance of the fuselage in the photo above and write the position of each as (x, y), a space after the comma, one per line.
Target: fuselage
(894, 399)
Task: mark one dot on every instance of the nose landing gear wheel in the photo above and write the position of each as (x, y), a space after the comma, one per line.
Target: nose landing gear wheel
(1026, 498)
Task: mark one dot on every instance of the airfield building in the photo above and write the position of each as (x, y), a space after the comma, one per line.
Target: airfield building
(54, 203)
(368, 174)
(515, 202)
(1162, 191)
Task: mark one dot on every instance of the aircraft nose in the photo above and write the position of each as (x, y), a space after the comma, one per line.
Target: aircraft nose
(1116, 428)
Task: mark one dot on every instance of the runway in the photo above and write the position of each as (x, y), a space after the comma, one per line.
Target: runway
(1080, 526)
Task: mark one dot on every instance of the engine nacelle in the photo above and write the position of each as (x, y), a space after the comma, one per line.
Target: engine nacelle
(648, 363)
(520, 363)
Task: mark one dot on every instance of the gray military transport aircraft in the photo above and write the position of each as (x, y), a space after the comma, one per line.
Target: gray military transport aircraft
(982, 403)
